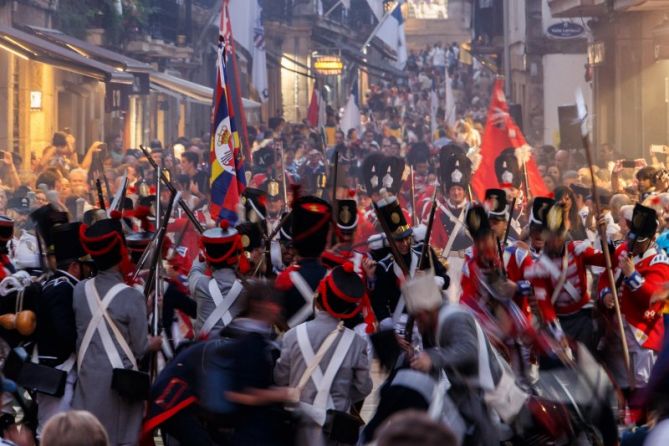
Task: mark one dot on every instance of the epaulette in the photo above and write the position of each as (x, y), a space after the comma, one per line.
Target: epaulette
(581, 246)
(660, 257)
(57, 282)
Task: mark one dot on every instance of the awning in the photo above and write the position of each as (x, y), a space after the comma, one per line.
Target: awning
(196, 92)
(28, 46)
(91, 51)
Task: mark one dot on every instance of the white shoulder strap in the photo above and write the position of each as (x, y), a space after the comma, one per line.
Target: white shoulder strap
(315, 361)
(335, 364)
(307, 293)
(223, 305)
(98, 311)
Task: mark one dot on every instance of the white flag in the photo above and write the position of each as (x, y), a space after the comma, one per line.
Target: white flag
(377, 8)
(351, 116)
(391, 31)
(259, 73)
(449, 115)
(346, 4)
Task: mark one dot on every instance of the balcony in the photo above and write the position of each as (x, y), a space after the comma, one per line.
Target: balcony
(640, 5)
(577, 8)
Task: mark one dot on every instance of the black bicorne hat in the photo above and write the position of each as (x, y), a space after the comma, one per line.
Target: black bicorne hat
(67, 244)
(507, 170)
(19, 204)
(104, 242)
(497, 204)
(254, 204)
(455, 169)
(391, 213)
(310, 226)
(644, 223)
(477, 222)
(251, 235)
(347, 215)
(540, 207)
(372, 166)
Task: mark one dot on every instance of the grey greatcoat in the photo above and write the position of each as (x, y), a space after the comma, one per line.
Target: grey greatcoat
(352, 383)
(93, 392)
(457, 354)
(198, 284)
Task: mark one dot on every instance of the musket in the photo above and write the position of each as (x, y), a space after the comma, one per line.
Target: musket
(502, 246)
(335, 211)
(430, 222)
(101, 170)
(582, 116)
(157, 247)
(173, 190)
(412, 188)
(101, 199)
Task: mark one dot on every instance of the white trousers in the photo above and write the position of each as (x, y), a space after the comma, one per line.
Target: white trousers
(454, 291)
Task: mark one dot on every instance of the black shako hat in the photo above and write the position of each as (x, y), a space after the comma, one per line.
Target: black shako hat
(391, 213)
(251, 235)
(540, 207)
(137, 243)
(45, 218)
(222, 246)
(347, 215)
(104, 242)
(342, 293)
(67, 243)
(497, 204)
(644, 223)
(310, 225)
(254, 201)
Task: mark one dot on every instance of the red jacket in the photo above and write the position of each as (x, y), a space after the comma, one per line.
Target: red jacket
(644, 318)
(544, 274)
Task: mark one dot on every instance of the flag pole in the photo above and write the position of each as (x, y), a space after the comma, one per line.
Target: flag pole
(240, 102)
(376, 30)
(582, 115)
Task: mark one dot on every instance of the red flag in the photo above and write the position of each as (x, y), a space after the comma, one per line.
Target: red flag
(501, 133)
(314, 107)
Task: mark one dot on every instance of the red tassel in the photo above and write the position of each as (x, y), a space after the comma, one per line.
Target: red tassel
(116, 215)
(224, 225)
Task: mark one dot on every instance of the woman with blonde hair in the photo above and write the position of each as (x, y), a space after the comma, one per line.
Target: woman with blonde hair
(74, 428)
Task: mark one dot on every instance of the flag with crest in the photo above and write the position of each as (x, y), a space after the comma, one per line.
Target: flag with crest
(227, 177)
(501, 133)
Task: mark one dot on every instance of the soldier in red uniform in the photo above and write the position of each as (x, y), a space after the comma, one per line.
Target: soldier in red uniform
(346, 225)
(559, 280)
(640, 273)
(516, 259)
(492, 294)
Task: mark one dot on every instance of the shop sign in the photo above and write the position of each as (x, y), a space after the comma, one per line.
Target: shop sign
(329, 65)
(565, 30)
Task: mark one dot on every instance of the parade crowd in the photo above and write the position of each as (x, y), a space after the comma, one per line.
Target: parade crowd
(129, 316)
